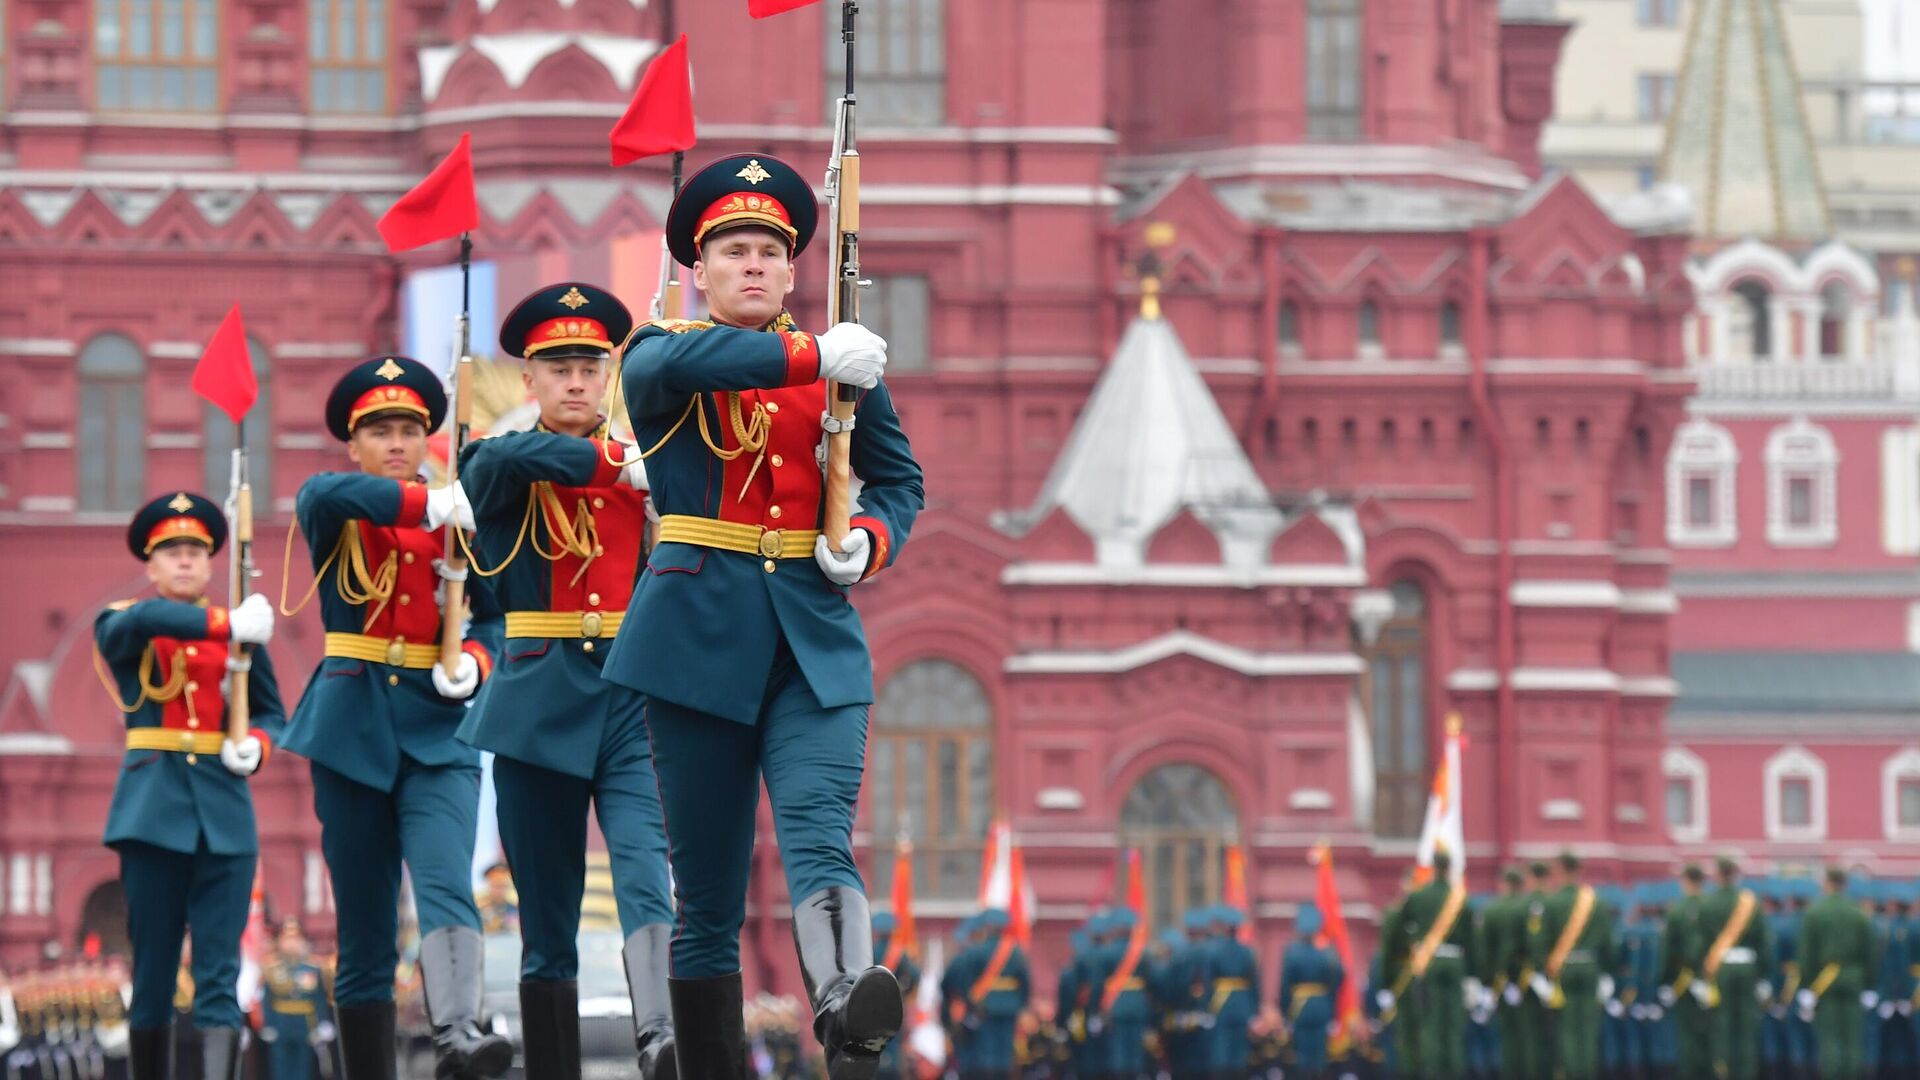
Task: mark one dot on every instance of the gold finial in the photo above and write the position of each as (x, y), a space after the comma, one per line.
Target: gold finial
(573, 299)
(180, 504)
(1160, 234)
(753, 173)
(1150, 298)
(389, 370)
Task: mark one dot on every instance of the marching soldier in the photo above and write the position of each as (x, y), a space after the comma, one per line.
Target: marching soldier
(182, 817)
(1653, 1022)
(1571, 952)
(498, 904)
(1391, 977)
(1779, 1054)
(1119, 994)
(982, 995)
(297, 1017)
(391, 783)
(1681, 990)
(1233, 988)
(1836, 954)
(895, 958)
(1895, 985)
(1737, 952)
(741, 634)
(1072, 997)
(1171, 981)
(1310, 978)
(1505, 972)
(1428, 961)
(562, 737)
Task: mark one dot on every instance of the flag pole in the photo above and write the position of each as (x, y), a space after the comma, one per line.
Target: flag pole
(453, 611)
(843, 299)
(240, 570)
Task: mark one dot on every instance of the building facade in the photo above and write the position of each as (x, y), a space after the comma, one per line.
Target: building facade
(1267, 419)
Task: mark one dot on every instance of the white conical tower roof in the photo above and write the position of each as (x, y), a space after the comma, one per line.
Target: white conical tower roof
(1737, 137)
(1150, 444)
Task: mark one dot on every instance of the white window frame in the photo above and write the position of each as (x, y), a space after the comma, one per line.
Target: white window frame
(1796, 762)
(1795, 450)
(1679, 763)
(1702, 448)
(1904, 765)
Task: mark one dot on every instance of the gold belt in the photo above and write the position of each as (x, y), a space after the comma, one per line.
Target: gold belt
(398, 652)
(174, 740)
(737, 536)
(563, 624)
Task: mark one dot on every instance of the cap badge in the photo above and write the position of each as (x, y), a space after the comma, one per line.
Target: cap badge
(389, 370)
(753, 173)
(574, 300)
(180, 504)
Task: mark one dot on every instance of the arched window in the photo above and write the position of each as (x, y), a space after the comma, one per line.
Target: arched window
(930, 777)
(104, 915)
(1397, 699)
(113, 424)
(1289, 327)
(156, 55)
(1750, 322)
(1835, 306)
(1182, 818)
(1686, 798)
(1795, 795)
(1449, 325)
(1700, 496)
(1802, 506)
(1900, 796)
(219, 440)
(1368, 331)
(1335, 69)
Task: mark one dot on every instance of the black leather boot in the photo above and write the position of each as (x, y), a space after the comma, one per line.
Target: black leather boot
(709, 1028)
(857, 1008)
(450, 960)
(366, 1041)
(647, 953)
(550, 1029)
(220, 1053)
(150, 1053)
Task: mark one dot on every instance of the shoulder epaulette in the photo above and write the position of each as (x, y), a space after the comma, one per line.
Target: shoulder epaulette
(121, 605)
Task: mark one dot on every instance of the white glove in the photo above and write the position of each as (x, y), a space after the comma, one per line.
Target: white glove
(851, 353)
(241, 758)
(1615, 1009)
(633, 470)
(1904, 1007)
(324, 1033)
(1639, 1012)
(464, 681)
(1511, 995)
(1806, 1000)
(1869, 999)
(446, 574)
(252, 622)
(1542, 988)
(1655, 1012)
(446, 504)
(1667, 996)
(1763, 990)
(843, 567)
(1606, 987)
(1886, 1010)
(1701, 990)
(1473, 989)
(1384, 999)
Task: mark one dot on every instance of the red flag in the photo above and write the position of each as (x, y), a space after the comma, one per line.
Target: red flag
(762, 9)
(1236, 889)
(1020, 914)
(902, 941)
(1136, 886)
(660, 117)
(440, 206)
(1326, 896)
(224, 375)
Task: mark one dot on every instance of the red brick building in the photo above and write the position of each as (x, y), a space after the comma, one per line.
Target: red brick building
(1397, 447)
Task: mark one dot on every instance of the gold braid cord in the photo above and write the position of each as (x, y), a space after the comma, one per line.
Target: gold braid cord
(159, 695)
(352, 580)
(751, 435)
(578, 536)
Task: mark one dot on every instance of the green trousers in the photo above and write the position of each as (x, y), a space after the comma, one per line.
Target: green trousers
(1441, 1010)
(1839, 1033)
(1733, 1028)
(1519, 1048)
(1580, 1017)
(1691, 1023)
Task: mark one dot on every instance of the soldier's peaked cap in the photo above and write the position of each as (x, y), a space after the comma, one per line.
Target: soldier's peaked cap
(565, 321)
(744, 189)
(385, 384)
(180, 515)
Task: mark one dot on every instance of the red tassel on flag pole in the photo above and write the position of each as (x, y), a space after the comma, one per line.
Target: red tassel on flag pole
(224, 375)
(1326, 896)
(443, 205)
(1236, 890)
(659, 120)
(1136, 886)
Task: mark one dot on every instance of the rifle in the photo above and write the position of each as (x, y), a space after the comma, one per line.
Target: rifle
(240, 570)
(843, 300)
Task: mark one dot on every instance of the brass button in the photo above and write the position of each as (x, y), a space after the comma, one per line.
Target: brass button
(593, 598)
(192, 651)
(773, 511)
(590, 624)
(393, 680)
(407, 558)
(406, 598)
(598, 502)
(397, 651)
(767, 566)
(193, 687)
(192, 758)
(193, 721)
(778, 461)
(186, 741)
(598, 551)
(586, 646)
(773, 406)
(770, 543)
